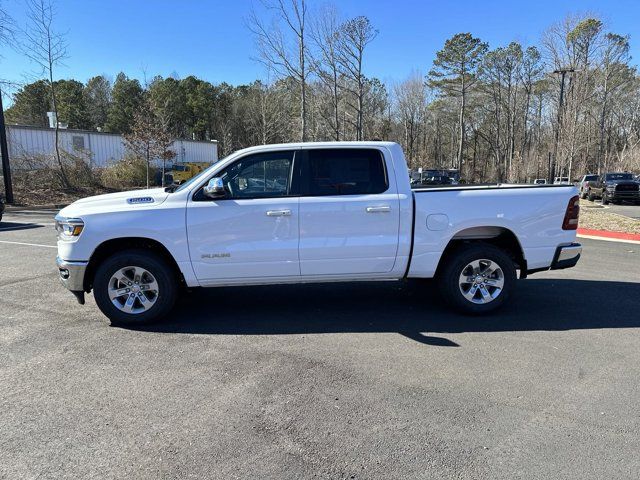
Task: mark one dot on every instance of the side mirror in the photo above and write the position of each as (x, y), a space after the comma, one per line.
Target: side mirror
(215, 188)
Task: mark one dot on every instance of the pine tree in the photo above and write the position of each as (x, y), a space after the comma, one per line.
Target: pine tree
(454, 73)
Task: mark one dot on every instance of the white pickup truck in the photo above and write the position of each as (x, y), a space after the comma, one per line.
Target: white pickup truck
(311, 212)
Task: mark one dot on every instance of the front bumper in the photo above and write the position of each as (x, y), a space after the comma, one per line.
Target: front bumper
(72, 274)
(566, 256)
(619, 196)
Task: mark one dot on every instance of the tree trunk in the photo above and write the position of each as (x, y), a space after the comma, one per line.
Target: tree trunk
(148, 161)
(336, 105)
(360, 97)
(602, 130)
(54, 102)
(303, 88)
(461, 129)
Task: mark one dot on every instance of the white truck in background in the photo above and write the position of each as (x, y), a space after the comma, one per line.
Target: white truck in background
(311, 212)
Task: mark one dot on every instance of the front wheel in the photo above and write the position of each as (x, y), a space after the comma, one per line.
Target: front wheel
(134, 287)
(605, 198)
(477, 279)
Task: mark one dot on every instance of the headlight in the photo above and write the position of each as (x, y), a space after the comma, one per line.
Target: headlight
(68, 228)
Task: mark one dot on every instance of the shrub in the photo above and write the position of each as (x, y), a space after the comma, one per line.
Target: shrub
(130, 172)
(78, 168)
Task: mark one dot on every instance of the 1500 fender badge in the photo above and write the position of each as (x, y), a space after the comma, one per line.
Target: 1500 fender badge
(215, 255)
(140, 200)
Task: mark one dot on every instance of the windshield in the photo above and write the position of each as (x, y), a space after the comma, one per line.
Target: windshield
(197, 177)
(619, 176)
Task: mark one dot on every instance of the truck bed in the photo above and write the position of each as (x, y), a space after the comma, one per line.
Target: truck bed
(533, 214)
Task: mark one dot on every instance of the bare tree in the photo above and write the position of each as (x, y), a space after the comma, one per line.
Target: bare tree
(411, 109)
(612, 76)
(282, 46)
(46, 48)
(149, 139)
(267, 120)
(355, 35)
(325, 33)
(7, 27)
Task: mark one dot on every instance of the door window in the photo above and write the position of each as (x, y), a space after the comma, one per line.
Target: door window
(344, 171)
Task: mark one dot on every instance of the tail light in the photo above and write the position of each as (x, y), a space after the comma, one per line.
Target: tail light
(570, 221)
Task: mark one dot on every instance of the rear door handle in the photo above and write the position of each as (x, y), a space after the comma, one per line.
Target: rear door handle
(384, 208)
(278, 213)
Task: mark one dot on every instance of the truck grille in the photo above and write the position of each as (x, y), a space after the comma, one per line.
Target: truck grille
(627, 187)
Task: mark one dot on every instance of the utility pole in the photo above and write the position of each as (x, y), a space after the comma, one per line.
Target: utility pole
(4, 151)
(552, 170)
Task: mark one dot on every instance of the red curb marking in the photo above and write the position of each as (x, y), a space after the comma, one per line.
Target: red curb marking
(607, 234)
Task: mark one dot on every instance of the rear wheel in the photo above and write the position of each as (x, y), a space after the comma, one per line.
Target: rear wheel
(134, 287)
(477, 279)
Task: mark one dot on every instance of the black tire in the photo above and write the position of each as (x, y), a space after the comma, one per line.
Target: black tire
(590, 196)
(156, 266)
(605, 198)
(449, 275)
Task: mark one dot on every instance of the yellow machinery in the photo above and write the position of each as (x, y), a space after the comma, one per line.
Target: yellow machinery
(184, 171)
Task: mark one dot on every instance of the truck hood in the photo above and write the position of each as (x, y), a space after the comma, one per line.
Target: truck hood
(111, 202)
(621, 182)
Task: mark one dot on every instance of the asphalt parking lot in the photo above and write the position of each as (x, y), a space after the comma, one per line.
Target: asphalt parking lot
(370, 380)
(626, 209)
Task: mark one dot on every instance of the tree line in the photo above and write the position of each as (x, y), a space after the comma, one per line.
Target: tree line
(566, 106)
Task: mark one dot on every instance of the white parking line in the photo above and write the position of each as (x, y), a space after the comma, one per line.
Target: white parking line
(29, 244)
(605, 239)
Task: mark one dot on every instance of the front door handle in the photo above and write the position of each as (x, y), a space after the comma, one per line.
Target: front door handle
(384, 208)
(278, 213)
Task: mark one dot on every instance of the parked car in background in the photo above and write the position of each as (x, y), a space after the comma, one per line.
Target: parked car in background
(540, 181)
(437, 180)
(184, 171)
(584, 184)
(1, 207)
(312, 212)
(614, 188)
(561, 181)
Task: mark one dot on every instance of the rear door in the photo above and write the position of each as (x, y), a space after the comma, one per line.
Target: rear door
(349, 212)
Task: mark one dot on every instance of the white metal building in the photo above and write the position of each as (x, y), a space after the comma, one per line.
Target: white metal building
(103, 147)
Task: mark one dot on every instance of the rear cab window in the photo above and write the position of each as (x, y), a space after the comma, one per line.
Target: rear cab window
(343, 171)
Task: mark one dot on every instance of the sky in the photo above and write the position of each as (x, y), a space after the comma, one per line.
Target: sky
(210, 39)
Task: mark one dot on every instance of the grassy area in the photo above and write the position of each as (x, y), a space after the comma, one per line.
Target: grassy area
(596, 217)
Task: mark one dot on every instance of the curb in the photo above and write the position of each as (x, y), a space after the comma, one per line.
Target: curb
(606, 235)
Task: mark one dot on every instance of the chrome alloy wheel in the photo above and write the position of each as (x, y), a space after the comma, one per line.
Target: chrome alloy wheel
(481, 281)
(133, 290)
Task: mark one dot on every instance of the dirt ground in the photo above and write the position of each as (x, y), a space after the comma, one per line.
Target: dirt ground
(597, 217)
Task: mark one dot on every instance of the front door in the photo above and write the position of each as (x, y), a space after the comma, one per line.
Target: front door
(253, 231)
(349, 212)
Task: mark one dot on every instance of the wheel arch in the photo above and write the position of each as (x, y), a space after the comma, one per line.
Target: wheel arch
(114, 245)
(498, 236)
